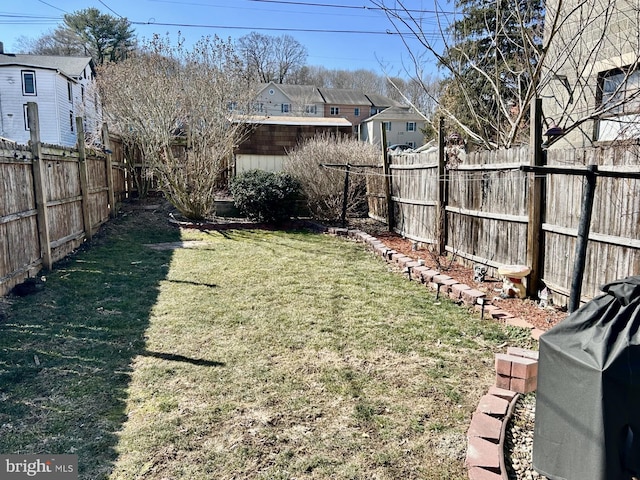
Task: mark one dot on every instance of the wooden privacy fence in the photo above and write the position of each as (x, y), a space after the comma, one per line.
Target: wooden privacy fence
(52, 198)
(484, 208)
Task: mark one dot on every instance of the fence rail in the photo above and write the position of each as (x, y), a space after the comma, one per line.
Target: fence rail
(52, 198)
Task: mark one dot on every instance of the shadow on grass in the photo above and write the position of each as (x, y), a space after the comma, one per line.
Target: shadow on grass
(171, 357)
(66, 352)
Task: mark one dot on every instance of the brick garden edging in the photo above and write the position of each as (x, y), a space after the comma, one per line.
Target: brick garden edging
(516, 371)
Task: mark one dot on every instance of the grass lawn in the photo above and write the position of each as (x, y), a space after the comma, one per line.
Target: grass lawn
(253, 354)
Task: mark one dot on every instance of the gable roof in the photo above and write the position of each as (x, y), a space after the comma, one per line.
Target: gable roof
(70, 66)
(302, 93)
(344, 96)
(382, 101)
(397, 113)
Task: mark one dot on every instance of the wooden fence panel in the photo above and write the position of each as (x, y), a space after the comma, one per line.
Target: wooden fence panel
(414, 193)
(376, 194)
(487, 211)
(21, 254)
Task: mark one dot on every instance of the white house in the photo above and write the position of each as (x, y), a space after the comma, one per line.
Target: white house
(61, 86)
(403, 125)
(275, 99)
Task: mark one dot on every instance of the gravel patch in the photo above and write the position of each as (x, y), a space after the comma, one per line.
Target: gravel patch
(518, 444)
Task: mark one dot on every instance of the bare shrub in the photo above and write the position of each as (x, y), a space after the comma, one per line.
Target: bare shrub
(320, 163)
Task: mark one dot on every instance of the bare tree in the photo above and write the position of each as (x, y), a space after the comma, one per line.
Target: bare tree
(316, 164)
(582, 64)
(270, 58)
(168, 93)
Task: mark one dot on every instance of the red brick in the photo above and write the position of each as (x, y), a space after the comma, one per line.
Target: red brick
(482, 453)
(503, 364)
(503, 382)
(505, 393)
(429, 274)
(523, 352)
(479, 473)
(524, 385)
(485, 426)
(523, 367)
(471, 296)
(458, 289)
(440, 278)
(404, 261)
(535, 333)
(493, 406)
(501, 314)
(518, 322)
(418, 271)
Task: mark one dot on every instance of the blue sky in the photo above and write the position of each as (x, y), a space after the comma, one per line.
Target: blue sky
(235, 18)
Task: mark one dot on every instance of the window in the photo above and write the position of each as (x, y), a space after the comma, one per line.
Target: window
(71, 120)
(26, 117)
(232, 106)
(82, 92)
(356, 112)
(28, 82)
(620, 90)
(619, 98)
(387, 126)
(70, 91)
(286, 107)
(334, 110)
(312, 109)
(411, 126)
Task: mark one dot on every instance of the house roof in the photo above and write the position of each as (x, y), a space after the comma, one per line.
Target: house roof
(299, 121)
(397, 113)
(70, 66)
(344, 96)
(302, 94)
(382, 101)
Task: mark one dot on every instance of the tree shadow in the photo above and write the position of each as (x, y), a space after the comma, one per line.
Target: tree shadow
(172, 357)
(66, 351)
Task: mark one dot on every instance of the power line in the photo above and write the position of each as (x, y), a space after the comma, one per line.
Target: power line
(52, 6)
(354, 7)
(111, 9)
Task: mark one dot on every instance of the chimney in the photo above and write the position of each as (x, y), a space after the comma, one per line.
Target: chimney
(1, 48)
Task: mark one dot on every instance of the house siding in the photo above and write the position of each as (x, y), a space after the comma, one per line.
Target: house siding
(54, 107)
(608, 41)
(348, 112)
(12, 103)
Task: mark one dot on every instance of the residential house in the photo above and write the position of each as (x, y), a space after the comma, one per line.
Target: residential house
(591, 82)
(60, 86)
(275, 99)
(403, 125)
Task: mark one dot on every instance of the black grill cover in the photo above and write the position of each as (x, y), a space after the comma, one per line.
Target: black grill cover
(588, 398)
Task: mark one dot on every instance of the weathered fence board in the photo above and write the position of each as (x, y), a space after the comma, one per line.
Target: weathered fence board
(21, 248)
(488, 218)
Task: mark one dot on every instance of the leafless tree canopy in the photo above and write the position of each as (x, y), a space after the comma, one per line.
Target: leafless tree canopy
(167, 95)
(270, 58)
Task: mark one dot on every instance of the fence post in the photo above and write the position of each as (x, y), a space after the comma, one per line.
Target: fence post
(535, 200)
(583, 238)
(386, 170)
(345, 194)
(84, 179)
(106, 142)
(442, 192)
(39, 183)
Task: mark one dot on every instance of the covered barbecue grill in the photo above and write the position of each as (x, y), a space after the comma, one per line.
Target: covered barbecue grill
(588, 399)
